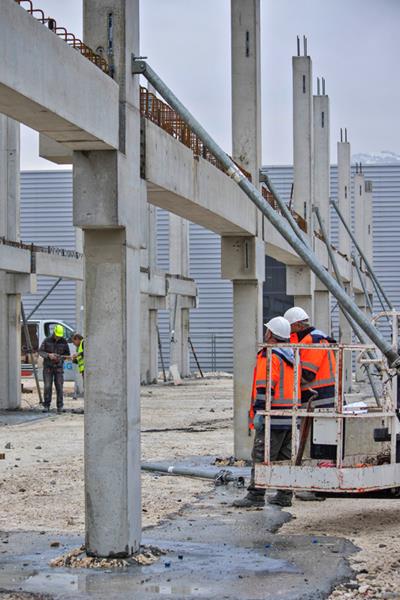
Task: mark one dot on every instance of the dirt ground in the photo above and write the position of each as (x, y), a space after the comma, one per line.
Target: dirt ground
(41, 479)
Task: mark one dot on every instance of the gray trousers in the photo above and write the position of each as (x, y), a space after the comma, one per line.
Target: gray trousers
(50, 375)
(280, 449)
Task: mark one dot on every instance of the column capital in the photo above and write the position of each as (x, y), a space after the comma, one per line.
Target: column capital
(242, 258)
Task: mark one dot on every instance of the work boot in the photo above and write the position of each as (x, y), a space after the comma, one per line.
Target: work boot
(309, 497)
(249, 501)
(281, 499)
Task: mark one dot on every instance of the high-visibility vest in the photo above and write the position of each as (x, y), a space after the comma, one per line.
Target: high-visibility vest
(321, 363)
(80, 358)
(284, 394)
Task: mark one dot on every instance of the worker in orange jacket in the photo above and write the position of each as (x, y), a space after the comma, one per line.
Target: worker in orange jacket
(318, 366)
(284, 395)
(318, 374)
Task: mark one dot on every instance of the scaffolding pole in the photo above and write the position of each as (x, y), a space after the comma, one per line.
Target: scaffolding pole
(367, 299)
(377, 285)
(359, 333)
(140, 67)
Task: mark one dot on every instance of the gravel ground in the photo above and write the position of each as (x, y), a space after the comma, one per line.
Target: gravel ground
(41, 480)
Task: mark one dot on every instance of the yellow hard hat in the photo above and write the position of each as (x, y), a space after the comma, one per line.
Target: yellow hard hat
(59, 331)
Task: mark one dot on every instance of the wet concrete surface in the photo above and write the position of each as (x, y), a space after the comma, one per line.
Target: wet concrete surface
(213, 551)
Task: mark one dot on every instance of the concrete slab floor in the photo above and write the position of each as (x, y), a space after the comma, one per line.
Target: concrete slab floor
(212, 551)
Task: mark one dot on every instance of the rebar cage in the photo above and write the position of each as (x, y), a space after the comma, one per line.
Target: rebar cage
(343, 474)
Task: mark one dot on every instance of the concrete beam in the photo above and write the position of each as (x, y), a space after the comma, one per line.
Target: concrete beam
(54, 151)
(193, 188)
(14, 260)
(183, 287)
(54, 265)
(51, 87)
(17, 283)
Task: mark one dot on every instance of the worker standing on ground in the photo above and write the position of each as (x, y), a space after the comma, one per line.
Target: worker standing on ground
(53, 350)
(284, 394)
(79, 357)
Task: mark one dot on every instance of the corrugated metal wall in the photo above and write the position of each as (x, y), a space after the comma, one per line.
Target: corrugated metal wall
(211, 322)
(46, 219)
(46, 200)
(386, 223)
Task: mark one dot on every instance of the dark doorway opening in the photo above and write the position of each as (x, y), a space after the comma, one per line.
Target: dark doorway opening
(275, 299)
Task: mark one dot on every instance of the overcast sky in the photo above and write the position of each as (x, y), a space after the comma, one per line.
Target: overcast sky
(354, 44)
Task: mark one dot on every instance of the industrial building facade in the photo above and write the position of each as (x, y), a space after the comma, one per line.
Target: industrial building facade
(46, 219)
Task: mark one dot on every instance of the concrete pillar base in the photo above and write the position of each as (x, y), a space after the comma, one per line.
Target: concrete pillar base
(112, 399)
(10, 349)
(10, 303)
(179, 328)
(247, 327)
(148, 353)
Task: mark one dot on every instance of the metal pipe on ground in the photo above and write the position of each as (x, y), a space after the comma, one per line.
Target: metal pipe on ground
(140, 67)
(222, 477)
(353, 324)
(375, 281)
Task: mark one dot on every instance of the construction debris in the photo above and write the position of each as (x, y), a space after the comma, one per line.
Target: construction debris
(78, 559)
(230, 461)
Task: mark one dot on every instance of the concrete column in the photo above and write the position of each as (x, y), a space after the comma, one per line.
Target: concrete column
(368, 243)
(79, 311)
(302, 136)
(344, 194)
(359, 206)
(344, 200)
(243, 262)
(148, 323)
(321, 181)
(363, 214)
(108, 203)
(362, 305)
(363, 234)
(243, 259)
(246, 85)
(10, 302)
(299, 282)
(302, 169)
(179, 317)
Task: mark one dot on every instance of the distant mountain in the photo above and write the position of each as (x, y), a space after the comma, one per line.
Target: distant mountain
(376, 158)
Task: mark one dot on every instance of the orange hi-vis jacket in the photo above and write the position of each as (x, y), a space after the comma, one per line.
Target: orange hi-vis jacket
(284, 394)
(319, 367)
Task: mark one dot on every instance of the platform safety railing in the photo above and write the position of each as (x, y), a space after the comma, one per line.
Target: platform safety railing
(387, 411)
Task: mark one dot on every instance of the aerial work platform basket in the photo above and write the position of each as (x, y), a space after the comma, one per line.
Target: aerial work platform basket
(361, 436)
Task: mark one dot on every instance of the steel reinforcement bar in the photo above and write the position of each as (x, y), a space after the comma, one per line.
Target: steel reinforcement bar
(44, 249)
(65, 35)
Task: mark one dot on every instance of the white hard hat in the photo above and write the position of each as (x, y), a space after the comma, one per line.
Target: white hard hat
(296, 314)
(280, 327)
